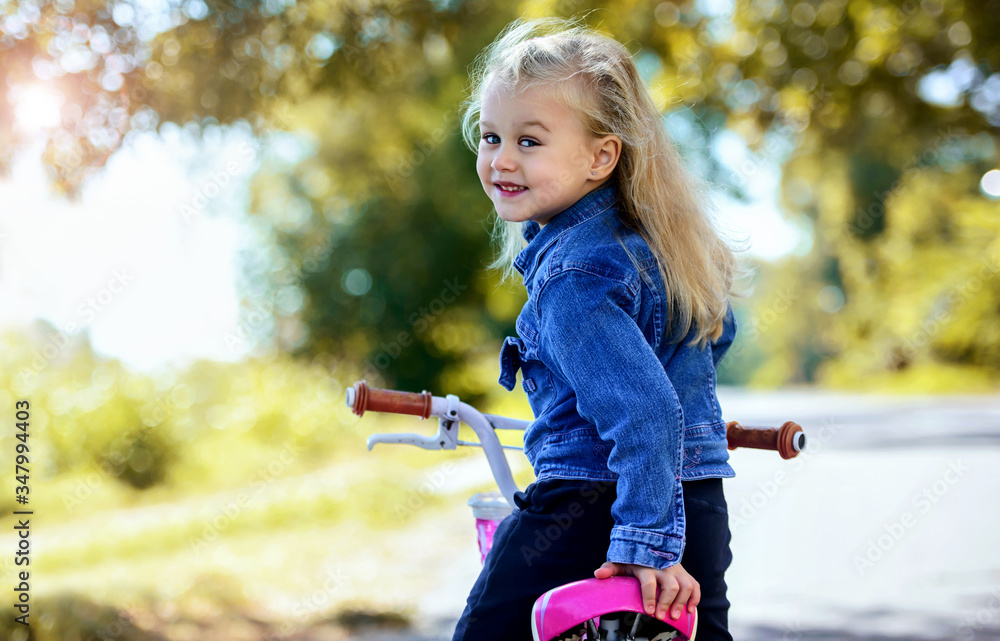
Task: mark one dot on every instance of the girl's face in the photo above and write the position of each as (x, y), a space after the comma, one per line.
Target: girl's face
(535, 157)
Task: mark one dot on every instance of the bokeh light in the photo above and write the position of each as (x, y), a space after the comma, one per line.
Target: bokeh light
(37, 106)
(990, 184)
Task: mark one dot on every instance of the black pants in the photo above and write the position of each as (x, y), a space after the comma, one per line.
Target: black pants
(560, 531)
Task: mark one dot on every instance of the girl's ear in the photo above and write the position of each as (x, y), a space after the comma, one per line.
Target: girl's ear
(607, 150)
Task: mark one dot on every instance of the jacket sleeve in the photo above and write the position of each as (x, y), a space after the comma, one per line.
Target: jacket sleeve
(591, 340)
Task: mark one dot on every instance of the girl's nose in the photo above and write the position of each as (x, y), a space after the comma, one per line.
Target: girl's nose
(503, 160)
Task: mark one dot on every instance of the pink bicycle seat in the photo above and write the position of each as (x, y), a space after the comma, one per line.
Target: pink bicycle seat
(569, 606)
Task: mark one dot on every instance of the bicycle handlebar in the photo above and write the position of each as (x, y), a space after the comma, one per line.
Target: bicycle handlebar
(788, 440)
(360, 397)
(450, 410)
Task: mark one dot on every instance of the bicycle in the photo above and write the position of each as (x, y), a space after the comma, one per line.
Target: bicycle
(590, 609)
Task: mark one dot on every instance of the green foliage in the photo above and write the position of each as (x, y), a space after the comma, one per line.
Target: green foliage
(257, 455)
(888, 183)
(383, 206)
(73, 618)
(401, 212)
(363, 621)
(102, 430)
(146, 463)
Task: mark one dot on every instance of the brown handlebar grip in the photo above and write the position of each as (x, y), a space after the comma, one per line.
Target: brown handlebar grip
(788, 440)
(387, 400)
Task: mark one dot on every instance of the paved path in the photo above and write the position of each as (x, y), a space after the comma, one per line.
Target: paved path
(891, 521)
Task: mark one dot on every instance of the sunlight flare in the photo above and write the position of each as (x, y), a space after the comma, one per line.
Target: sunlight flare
(38, 107)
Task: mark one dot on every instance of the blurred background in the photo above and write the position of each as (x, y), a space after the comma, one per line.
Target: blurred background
(216, 215)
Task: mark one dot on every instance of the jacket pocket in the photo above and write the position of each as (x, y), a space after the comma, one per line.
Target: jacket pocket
(537, 384)
(517, 354)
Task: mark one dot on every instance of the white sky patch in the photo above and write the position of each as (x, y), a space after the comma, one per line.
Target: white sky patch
(771, 233)
(150, 286)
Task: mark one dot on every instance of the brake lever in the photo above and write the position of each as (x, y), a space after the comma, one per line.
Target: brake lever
(446, 437)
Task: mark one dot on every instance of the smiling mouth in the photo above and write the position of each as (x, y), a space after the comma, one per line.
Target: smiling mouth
(510, 188)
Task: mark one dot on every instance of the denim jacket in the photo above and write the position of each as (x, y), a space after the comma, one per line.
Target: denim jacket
(614, 398)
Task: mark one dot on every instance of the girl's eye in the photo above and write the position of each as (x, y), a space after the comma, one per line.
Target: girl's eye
(528, 142)
(491, 139)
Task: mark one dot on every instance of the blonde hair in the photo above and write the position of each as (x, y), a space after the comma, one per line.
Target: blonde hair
(596, 76)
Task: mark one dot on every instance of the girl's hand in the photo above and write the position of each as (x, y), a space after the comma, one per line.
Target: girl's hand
(677, 586)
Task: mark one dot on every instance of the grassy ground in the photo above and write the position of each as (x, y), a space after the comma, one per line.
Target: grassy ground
(282, 548)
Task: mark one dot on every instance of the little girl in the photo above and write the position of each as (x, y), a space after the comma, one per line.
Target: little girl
(627, 317)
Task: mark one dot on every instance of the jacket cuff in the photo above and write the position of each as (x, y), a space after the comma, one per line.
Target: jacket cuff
(642, 547)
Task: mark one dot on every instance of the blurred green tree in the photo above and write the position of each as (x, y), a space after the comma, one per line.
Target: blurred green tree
(894, 110)
(391, 233)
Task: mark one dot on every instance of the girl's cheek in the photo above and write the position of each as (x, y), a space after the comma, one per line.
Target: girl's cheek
(485, 177)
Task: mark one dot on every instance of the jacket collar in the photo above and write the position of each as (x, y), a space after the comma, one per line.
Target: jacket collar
(595, 203)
